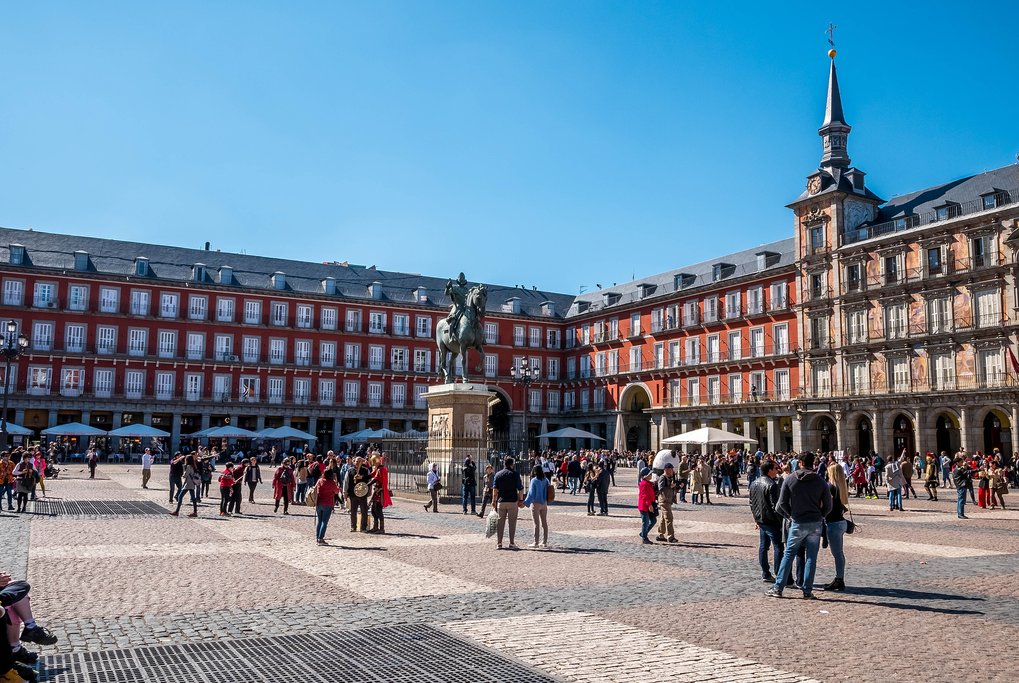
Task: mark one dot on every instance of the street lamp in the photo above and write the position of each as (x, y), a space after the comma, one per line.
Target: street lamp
(523, 376)
(14, 345)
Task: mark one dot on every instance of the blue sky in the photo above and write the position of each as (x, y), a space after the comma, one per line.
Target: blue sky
(562, 143)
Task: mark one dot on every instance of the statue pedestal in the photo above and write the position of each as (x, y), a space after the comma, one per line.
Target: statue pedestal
(457, 427)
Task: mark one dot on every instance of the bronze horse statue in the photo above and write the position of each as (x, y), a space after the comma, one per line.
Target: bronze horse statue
(468, 335)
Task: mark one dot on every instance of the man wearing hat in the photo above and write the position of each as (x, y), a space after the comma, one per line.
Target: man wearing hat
(666, 497)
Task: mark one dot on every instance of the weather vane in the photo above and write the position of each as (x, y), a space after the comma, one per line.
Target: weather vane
(831, 39)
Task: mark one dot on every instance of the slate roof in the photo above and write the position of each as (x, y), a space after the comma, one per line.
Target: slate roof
(743, 263)
(117, 257)
(960, 191)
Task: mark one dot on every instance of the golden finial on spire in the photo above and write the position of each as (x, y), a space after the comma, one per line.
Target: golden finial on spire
(831, 40)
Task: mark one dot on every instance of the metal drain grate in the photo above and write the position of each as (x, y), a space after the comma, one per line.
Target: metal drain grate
(375, 655)
(93, 508)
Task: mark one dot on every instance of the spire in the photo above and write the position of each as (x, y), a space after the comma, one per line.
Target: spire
(834, 131)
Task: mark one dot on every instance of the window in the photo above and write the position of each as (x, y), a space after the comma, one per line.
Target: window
(711, 309)
(585, 402)
(353, 320)
(781, 333)
(168, 305)
(164, 386)
(942, 371)
(221, 388)
(898, 372)
(991, 371)
(398, 395)
(376, 354)
(17, 254)
(39, 380)
(248, 391)
(779, 296)
(988, 308)
(351, 393)
(198, 307)
(854, 281)
(895, 321)
(374, 394)
(224, 347)
(635, 330)
(193, 386)
(302, 352)
(736, 388)
(585, 334)
(305, 316)
(934, 261)
(399, 362)
(613, 358)
(252, 349)
(714, 355)
(103, 386)
(253, 312)
(77, 298)
(278, 313)
(327, 320)
(552, 339)
(553, 401)
(139, 302)
(326, 391)
(891, 267)
(571, 368)
(302, 390)
(376, 322)
(277, 351)
(782, 385)
(659, 355)
(423, 326)
(599, 398)
(820, 379)
(419, 396)
(714, 390)
(74, 338)
(817, 286)
(859, 378)
(167, 344)
(990, 201)
(134, 383)
(735, 344)
(274, 390)
(422, 360)
(352, 356)
(817, 239)
(569, 401)
(755, 300)
(571, 338)
(856, 322)
(137, 341)
(224, 310)
(732, 305)
(939, 315)
(535, 336)
(818, 332)
(758, 385)
(106, 340)
(657, 320)
(327, 354)
(585, 367)
(599, 364)
(757, 342)
(491, 365)
(45, 295)
(552, 368)
(14, 292)
(71, 381)
(518, 335)
(693, 351)
(401, 326)
(675, 357)
(491, 333)
(196, 346)
(690, 313)
(534, 400)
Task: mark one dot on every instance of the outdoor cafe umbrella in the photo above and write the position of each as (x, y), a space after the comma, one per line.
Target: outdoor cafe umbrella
(287, 433)
(383, 434)
(229, 432)
(18, 430)
(569, 433)
(543, 440)
(139, 431)
(361, 435)
(74, 429)
(620, 440)
(708, 435)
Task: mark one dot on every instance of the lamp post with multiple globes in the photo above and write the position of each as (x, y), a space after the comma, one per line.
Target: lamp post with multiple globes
(524, 375)
(14, 345)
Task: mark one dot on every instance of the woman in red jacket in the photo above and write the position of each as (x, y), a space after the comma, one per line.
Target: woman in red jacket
(859, 475)
(326, 491)
(646, 504)
(283, 483)
(226, 489)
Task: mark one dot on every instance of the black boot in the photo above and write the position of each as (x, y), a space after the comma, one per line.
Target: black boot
(837, 584)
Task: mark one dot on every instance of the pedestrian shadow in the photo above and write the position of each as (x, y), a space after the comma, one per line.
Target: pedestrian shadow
(909, 594)
(908, 606)
(575, 551)
(404, 534)
(336, 546)
(686, 544)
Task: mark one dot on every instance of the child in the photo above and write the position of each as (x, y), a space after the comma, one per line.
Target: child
(226, 489)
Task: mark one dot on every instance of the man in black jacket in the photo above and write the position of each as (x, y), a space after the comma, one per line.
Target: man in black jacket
(763, 500)
(806, 500)
(469, 478)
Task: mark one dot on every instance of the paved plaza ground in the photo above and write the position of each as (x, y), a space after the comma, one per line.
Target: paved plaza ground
(137, 595)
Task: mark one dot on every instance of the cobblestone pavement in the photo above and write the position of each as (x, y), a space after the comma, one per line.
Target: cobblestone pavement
(149, 597)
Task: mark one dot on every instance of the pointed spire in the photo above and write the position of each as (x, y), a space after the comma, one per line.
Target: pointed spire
(833, 109)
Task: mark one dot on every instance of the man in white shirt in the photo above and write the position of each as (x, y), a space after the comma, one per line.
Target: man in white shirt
(146, 468)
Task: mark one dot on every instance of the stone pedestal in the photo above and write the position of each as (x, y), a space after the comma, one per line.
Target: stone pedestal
(457, 427)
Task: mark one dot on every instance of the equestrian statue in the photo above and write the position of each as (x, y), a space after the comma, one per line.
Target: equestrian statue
(461, 330)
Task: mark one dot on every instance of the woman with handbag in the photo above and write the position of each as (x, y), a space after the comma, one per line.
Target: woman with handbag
(931, 472)
(997, 485)
(434, 486)
(590, 486)
(324, 496)
(836, 525)
(486, 491)
(537, 500)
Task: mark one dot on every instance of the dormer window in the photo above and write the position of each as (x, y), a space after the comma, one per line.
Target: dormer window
(721, 270)
(645, 290)
(683, 280)
(900, 223)
(17, 254)
(279, 280)
(421, 295)
(81, 260)
(375, 290)
(993, 200)
(610, 298)
(511, 305)
(198, 272)
(548, 309)
(766, 259)
(226, 275)
(329, 285)
(943, 213)
(141, 266)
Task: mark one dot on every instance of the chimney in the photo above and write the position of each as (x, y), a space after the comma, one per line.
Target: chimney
(208, 245)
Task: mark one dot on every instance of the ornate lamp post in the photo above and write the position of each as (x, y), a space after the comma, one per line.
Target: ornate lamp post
(14, 345)
(523, 376)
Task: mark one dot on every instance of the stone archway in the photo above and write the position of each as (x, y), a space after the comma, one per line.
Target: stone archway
(634, 402)
(864, 429)
(996, 432)
(821, 434)
(903, 435)
(947, 435)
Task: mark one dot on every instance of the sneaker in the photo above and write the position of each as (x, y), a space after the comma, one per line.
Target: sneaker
(660, 537)
(837, 584)
(513, 546)
(774, 593)
(532, 545)
(809, 596)
(963, 517)
(499, 546)
(673, 540)
(646, 541)
(25, 656)
(768, 578)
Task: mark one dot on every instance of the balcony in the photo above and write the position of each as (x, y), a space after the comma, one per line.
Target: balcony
(1000, 199)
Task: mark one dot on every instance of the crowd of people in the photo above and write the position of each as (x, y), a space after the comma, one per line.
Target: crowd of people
(24, 471)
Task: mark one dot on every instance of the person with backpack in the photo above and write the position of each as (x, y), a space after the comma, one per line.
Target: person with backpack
(962, 478)
(283, 485)
(226, 489)
(191, 483)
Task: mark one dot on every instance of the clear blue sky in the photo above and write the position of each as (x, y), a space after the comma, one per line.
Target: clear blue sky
(568, 142)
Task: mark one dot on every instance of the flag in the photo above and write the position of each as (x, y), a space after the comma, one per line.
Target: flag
(1012, 359)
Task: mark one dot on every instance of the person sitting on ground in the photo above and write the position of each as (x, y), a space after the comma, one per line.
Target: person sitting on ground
(15, 612)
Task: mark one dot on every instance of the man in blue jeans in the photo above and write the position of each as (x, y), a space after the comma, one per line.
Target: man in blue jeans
(469, 477)
(763, 499)
(962, 477)
(806, 500)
